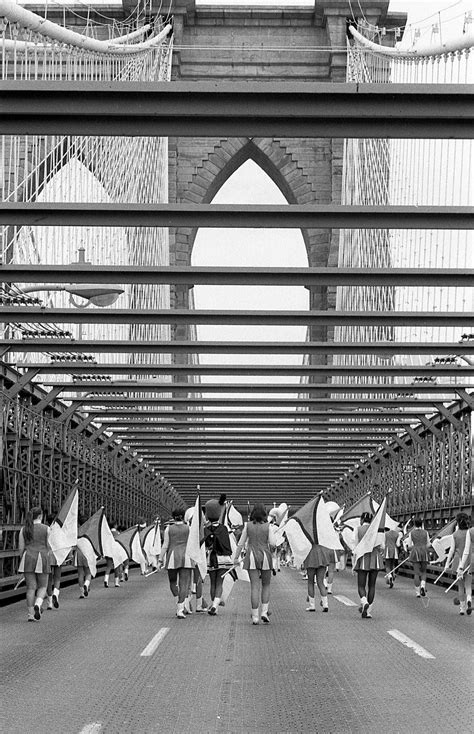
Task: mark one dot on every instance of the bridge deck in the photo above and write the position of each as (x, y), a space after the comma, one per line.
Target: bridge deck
(81, 667)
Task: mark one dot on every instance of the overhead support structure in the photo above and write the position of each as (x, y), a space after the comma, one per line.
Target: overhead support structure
(205, 109)
(190, 276)
(256, 216)
(216, 347)
(35, 314)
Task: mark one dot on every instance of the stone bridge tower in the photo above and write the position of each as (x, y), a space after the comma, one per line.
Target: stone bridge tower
(262, 44)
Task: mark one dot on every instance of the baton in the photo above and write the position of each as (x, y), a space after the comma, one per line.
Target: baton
(237, 565)
(18, 583)
(150, 573)
(436, 580)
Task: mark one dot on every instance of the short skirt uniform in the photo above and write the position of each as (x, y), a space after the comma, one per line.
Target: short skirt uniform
(419, 551)
(36, 557)
(176, 554)
(258, 554)
(391, 548)
(369, 561)
(319, 556)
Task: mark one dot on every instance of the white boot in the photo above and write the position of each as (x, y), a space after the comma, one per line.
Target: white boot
(31, 614)
(423, 588)
(37, 608)
(49, 602)
(329, 588)
(324, 604)
(418, 590)
(462, 607)
(180, 610)
(56, 598)
(368, 614)
(264, 615)
(364, 604)
(255, 619)
(311, 607)
(187, 605)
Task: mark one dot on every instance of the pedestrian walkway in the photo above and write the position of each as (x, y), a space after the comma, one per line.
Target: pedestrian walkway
(120, 662)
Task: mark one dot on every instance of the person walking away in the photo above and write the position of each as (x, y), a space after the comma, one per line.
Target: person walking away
(367, 568)
(258, 538)
(461, 553)
(35, 562)
(392, 550)
(418, 542)
(173, 557)
(219, 550)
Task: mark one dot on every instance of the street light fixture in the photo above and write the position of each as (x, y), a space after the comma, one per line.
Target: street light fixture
(97, 295)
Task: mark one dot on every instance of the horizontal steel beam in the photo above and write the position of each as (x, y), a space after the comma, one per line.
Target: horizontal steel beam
(209, 109)
(306, 428)
(255, 216)
(186, 275)
(214, 347)
(301, 436)
(250, 369)
(257, 402)
(42, 315)
(306, 417)
(201, 388)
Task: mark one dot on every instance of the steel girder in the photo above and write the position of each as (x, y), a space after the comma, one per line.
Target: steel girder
(217, 347)
(34, 314)
(253, 216)
(203, 109)
(184, 275)
(430, 370)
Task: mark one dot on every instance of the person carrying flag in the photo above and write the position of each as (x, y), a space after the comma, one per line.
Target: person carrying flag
(392, 548)
(461, 553)
(258, 537)
(35, 561)
(367, 564)
(418, 542)
(177, 563)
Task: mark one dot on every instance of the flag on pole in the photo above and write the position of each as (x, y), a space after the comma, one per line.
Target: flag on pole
(466, 554)
(148, 538)
(311, 524)
(63, 531)
(195, 547)
(89, 540)
(370, 539)
(441, 541)
(233, 518)
(390, 523)
(235, 574)
(110, 547)
(364, 504)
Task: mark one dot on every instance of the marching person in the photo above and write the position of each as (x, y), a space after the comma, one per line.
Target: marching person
(258, 538)
(418, 542)
(461, 553)
(35, 561)
(217, 541)
(367, 568)
(392, 549)
(315, 564)
(173, 557)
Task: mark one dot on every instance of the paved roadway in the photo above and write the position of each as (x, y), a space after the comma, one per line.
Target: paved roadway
(80, 670)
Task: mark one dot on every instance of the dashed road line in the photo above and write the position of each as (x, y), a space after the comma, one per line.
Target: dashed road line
(91, 728)
(345, 600)
(411, 644)
(154, 642)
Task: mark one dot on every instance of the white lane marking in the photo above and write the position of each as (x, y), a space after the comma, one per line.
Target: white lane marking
(154, 642)
(345, 600)
(411, 644)
(91, 728)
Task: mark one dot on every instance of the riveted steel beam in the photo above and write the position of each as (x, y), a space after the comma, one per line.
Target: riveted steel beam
(77, 367)
(306, 417)
(259, 402)
(255, 216)
(186, 275)
(209, 109)
(215, 347)
(178, 388)
(34, 314)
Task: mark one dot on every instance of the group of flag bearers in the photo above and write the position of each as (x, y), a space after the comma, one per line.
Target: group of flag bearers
(210, 541)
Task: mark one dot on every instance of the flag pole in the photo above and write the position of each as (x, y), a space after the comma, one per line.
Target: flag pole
(442, 572)
(456, 579)
(394, 569)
